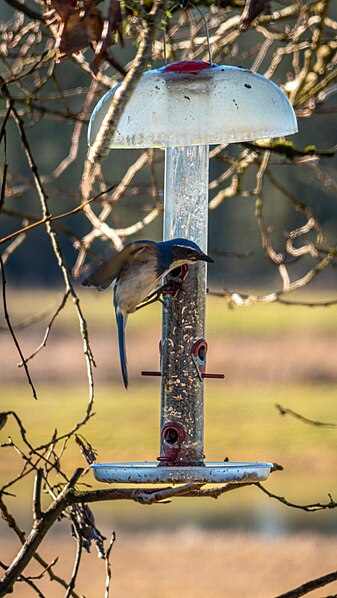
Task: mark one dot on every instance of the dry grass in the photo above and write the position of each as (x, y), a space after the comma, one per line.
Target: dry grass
(193, 563)
(306, 356)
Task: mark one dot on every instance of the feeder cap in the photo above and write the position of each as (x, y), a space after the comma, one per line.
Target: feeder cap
(194, 103)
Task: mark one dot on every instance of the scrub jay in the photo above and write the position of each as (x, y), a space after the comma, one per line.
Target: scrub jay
(137, 271)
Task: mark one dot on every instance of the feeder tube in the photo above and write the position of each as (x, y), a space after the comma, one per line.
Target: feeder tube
(183, 320)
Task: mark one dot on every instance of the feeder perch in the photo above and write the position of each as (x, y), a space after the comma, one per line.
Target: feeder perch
(183, 108)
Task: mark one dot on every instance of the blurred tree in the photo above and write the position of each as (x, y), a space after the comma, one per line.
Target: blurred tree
(57, 58)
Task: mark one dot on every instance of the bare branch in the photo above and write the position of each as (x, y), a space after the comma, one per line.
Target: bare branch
(309, 507)
(286, 411)
(108, 565)
(10, 327)
(79, 549)
(25, 9)
(48, 330)
(310, 586)
(37, 511)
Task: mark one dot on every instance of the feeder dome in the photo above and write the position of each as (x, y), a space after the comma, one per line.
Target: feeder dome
(194, 103)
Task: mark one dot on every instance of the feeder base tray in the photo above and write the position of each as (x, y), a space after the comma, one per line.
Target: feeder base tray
(152, 473)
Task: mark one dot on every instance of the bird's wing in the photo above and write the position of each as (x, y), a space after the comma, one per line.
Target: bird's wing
(103, 276)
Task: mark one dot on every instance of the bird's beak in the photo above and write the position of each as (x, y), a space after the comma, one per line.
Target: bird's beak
(205, 258)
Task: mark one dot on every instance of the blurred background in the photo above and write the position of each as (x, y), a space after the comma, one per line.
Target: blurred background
(272, 353)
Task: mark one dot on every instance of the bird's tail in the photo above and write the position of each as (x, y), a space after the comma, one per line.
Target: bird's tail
(121, 321)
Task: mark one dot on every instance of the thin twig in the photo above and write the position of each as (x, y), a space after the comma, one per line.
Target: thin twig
(37, 511)
(51, 218)
(108, 565)
(308, 507)
(79, 549)
(32, 14)
(48, 330)
(10, 328)
(5, 120)
(286, 411)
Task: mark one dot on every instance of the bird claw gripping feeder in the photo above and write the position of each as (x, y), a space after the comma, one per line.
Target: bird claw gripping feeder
(183, 108)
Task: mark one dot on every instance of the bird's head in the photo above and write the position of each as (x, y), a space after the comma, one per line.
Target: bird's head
(182, 251)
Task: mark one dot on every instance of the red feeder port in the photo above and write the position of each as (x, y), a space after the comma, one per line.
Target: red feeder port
(175, 279)
(172, 436)
(199, 352)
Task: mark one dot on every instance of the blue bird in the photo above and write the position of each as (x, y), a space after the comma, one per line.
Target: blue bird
(136, 272)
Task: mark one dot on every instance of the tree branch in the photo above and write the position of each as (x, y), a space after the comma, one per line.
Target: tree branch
(26, 10)
(310, 586)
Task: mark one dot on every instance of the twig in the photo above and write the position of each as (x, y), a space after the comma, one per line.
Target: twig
(309, 508)
(51, 218)
(79, 549)
(37, 511)
(4, 176)
(108, 565)
(26, 10)
(223, 253)
(310, 586)
(9, 250)
(75, 139)
(30, 582)
(45, 569)
(286, 411)
(308, 303)
(5, 120)
(46, 335)
(10, 328)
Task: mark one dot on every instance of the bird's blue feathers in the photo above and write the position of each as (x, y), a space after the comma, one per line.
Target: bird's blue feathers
(121, 321)
(165, 250)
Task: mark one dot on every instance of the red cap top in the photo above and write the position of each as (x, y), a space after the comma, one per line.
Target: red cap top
(186, 66)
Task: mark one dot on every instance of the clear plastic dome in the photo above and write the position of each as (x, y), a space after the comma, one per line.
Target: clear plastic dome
(193, 103)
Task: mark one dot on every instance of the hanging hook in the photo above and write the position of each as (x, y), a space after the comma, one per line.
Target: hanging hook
(165, 55)
(206, 29)
(184, 4)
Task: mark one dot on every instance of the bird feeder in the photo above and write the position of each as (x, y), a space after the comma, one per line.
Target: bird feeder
(183, 108)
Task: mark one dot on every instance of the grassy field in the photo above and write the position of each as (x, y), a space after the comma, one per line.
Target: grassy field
(260, 319)
(244, 426)
(271, 354)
